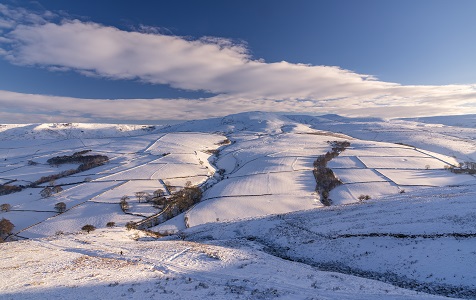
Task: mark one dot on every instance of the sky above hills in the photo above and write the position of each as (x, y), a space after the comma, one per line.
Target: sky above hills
(120, 61)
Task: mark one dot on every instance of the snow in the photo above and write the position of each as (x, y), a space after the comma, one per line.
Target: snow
(402, 162)
(415, 232)
(234, 208)
(427, 177)
(114, 264)
(358, 175)
(349, 193)
(348, 162)
(129, 188)
(413, 239)
(96, 214)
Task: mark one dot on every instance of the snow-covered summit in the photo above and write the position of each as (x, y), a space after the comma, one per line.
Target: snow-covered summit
(257, 122)
(47, 131)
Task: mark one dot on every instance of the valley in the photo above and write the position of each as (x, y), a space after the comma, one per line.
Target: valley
(399, 223)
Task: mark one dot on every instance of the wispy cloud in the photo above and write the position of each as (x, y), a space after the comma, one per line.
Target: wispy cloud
(214, 64)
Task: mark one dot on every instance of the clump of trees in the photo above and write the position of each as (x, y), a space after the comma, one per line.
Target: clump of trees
(110, 224)
(142, 196)
(325, 178)
(53, 177)
(174, 204)
(467, 167)
(187, 197)
(158, 198)
(6, 189)
(50, 191)
(86, 161)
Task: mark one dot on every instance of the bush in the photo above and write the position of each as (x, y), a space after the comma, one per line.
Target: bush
(32, 163)
(364, 197)
(88, 228)
(46, 192)
(224, 142)
(110, 224)
(57, 189)
(6, 227)
(5, 207)
(6, 189)
(131, 225)
(60, 207)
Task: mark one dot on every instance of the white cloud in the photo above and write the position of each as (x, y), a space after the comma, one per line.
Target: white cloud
(36, 108)
(213, 64)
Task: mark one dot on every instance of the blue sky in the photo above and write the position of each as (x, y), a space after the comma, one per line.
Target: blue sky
(105, 61)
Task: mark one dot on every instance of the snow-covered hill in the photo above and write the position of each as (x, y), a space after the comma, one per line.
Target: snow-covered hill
(259, 201)
(114, 264)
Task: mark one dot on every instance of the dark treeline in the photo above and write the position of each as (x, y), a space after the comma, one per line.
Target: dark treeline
(86, 162)
(325, 178)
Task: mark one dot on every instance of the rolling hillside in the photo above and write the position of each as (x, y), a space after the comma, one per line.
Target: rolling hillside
(259, 205)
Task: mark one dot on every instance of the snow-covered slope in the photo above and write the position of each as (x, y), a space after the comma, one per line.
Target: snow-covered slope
(72, 130)
(114, 264)
(422, 240)
(457, 141)
(256, 172)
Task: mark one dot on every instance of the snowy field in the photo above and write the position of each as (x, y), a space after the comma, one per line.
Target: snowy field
(141, 159)
(259, 206)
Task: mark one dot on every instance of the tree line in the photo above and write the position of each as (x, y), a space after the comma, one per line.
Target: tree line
(325, 178)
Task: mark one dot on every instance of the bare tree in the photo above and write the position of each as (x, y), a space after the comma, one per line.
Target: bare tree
(124, 204)
(158, 193)
(148, 197)
(140, 196)
(169, 186)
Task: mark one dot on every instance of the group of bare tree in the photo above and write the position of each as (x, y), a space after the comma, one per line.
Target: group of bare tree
(157, 198)
(50, 191)
(325, 178)
(467, 167)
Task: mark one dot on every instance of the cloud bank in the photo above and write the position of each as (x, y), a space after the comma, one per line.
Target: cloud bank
(212, 64)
